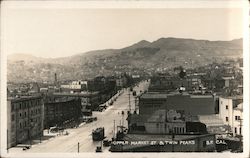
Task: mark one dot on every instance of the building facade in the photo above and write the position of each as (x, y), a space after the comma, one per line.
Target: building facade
(191, 104)
(230, 111)
(24, 119)
(57, 112)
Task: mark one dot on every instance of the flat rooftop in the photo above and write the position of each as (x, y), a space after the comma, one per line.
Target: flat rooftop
(233, 97)
(165, 95)
(152, 137)
(76, 94)
(22, 98)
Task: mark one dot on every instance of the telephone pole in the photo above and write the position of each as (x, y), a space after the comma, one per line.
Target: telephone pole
(129, 105)
(114, 130)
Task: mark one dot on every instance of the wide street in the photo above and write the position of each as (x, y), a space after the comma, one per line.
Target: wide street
(82, 135)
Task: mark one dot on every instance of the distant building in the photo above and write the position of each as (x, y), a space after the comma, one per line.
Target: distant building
(121, 81)
(230, 111)
(57, 112)
(89, 100)
(34, 88)
(227, 81)
(24, 119)
(75, 86)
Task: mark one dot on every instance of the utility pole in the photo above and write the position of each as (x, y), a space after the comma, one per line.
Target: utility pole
(114, 130)
(78, 147)
(129, 105)
(136, 104)
(122, 118)
(7, 141)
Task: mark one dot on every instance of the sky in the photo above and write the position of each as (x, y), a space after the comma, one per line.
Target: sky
(54, 33)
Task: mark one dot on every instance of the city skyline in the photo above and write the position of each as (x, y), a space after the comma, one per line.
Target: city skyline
(67, 32)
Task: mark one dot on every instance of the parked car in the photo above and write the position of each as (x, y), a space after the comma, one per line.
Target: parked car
(106, 142)
(53, 129)
(98, 149)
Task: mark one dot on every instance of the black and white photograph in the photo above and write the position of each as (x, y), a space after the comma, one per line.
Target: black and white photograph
(118, 79)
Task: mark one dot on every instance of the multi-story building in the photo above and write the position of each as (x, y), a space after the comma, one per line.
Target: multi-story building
(121, 82)
(191, 104)
(230, 111)
(75, 86)
(89, 100)
(24, 119)
(57, 112)
(167, 83)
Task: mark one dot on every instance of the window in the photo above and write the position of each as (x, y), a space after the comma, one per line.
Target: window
(25, 114)
(20, 114)
(20, 125)
(237, 118)
(175, 130)
(227, 119)
(235, 130)
(240, 130)
(204, 144)
(226, 106)
(12, 107)
(12, 117)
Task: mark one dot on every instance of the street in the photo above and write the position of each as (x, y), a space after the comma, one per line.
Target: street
(112, 115)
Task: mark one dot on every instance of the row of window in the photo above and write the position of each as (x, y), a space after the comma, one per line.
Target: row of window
(26, 104)
(33, 112)
(237, 118)
(176, 130)
(25, 123)
(236, 131)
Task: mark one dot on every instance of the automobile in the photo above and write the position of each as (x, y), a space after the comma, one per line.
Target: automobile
(106, 142)
(89, 119)
(101, 108)
(98, 149)
(53, 129)
(26, 147)
(87, 112)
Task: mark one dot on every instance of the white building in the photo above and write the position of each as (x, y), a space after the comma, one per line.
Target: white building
(76, 85)
(230, 111)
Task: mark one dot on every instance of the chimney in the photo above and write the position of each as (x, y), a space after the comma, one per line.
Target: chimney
(55, 79)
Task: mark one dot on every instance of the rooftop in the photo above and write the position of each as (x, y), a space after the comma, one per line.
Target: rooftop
(239, 107)
(233, 97)
(22, 98)
(154, 137)
(151, 95)
(76, 94)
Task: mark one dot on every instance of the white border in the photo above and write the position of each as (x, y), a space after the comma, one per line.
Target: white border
(56, 4)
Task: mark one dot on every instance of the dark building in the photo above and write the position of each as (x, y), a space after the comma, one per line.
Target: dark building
(57, 112)
(165, 143)
(24, 119)
(191, 104)
(89, 100)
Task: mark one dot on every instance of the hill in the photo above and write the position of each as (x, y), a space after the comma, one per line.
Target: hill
(143, 56)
